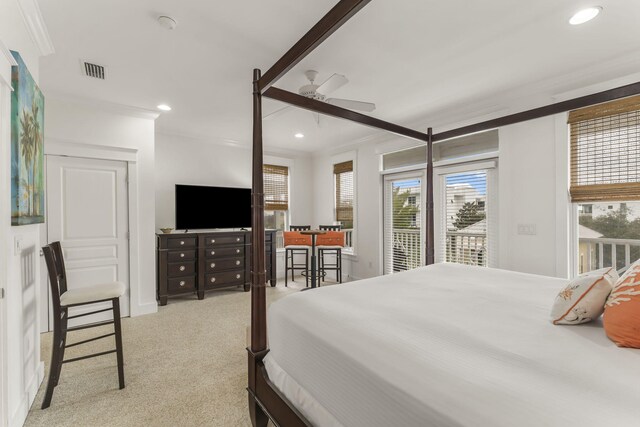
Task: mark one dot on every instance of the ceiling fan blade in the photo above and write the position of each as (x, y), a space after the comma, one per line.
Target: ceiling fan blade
(333, 83)
(276, 113)
(352, 105)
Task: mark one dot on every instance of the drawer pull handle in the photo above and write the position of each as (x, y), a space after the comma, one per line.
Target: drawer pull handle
(213, 265)
(237, 276)
(213, 252)
(213, 279)
(237, 239)
(182, 283)
(182, 242)
(182, 268)
(213, 240)
(237, 251)
(237, 262)
(181, 255)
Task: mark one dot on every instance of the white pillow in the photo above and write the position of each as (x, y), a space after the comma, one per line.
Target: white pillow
(583, 299)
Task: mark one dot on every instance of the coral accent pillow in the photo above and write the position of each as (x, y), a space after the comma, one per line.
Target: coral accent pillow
(622, 311)
(294, 238)
(583, 299)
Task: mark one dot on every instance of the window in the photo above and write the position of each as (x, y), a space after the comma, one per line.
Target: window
(276, 199)
(343, 178)
(605, 183)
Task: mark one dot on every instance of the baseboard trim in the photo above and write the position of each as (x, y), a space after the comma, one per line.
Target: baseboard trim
(142, 309)
(20, 415)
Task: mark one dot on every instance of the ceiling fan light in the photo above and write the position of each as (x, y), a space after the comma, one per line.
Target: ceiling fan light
(585, 15)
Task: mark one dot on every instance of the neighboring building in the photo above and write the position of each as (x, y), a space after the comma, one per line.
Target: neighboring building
(585, 249)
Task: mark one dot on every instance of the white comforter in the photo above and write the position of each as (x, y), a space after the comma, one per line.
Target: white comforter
(447, 345)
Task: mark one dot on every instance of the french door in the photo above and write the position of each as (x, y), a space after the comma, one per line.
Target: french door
(87, 206)
(403, 230)
(466, 214)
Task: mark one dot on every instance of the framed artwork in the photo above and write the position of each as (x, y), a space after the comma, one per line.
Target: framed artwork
(27, 147)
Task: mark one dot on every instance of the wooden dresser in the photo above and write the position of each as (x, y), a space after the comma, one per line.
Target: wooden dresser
(198, 262)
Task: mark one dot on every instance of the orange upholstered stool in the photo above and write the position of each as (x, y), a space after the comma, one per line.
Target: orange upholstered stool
(296, 244)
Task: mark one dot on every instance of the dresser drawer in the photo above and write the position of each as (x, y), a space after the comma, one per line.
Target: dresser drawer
(224, 240)
(225, 278)
(177, 269)
(179, 256)
(181, 242)
(181, 284)
(237, 251)
(214, 265)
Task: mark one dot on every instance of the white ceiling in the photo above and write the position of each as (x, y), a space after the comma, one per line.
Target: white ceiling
(422, 62)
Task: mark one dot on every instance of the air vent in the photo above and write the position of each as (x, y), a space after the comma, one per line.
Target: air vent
(93, 70)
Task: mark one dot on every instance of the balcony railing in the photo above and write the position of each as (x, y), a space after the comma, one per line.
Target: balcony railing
(466, 248)
(595, 253)
(406, 249)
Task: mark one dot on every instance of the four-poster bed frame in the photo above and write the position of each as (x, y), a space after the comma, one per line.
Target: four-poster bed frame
(265, 400)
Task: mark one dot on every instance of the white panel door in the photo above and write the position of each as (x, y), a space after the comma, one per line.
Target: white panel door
(87, 204)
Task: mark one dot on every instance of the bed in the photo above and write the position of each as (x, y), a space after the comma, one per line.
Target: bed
(447, 345)
(551, 375)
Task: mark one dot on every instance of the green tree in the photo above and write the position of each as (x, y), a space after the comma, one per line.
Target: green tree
(36, 137)
(405, 213)
(615, 225)
(469, 214)
(27, 144)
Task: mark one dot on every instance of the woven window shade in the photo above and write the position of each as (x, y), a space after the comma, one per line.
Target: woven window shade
(276, 188)
(343, 173)
(605, 151)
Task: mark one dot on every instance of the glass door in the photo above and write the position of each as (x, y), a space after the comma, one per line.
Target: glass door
(403, 230)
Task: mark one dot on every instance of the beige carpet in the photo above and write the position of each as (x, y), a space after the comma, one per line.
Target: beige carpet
(184, 366)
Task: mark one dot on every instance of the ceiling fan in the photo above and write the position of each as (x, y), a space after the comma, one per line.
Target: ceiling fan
(320, 92)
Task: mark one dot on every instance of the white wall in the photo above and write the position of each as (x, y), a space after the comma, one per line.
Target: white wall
(529, 183)
(182, 160)
(19, 270)
(77, 127)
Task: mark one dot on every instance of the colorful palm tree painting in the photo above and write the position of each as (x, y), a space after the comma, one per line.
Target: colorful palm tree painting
(27, 150)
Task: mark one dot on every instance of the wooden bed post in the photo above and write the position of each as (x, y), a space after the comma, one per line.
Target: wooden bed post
(258, 274)
(430, 254)
(258, 346)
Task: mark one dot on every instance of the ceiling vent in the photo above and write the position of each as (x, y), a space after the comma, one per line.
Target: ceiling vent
(93, 70)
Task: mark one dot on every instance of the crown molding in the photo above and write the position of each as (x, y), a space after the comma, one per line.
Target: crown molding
(125, 110)
(36, 26)
(6, 62)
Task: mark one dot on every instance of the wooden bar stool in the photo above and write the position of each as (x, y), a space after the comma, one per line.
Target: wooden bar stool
(296, 244)
(62, 299)
(330, 243)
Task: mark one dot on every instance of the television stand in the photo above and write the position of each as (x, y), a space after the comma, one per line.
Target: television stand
(193, 263)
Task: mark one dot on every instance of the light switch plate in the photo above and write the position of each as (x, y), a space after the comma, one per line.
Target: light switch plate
(527, 229)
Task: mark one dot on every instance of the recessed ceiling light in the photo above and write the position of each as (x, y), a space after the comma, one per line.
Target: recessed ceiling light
(299, 135)
(585, 15)
(164, 107)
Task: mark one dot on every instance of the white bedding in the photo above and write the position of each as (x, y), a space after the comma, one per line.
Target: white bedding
(447, 345)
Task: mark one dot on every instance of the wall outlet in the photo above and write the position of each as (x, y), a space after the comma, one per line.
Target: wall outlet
(527, 229)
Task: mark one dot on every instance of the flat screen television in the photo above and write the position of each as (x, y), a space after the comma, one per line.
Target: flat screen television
(201, 207)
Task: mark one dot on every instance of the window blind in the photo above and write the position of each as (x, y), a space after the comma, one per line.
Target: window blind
(465, 216)
(605, 151)
(343, 173)
(403, 237)
(276, 187)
